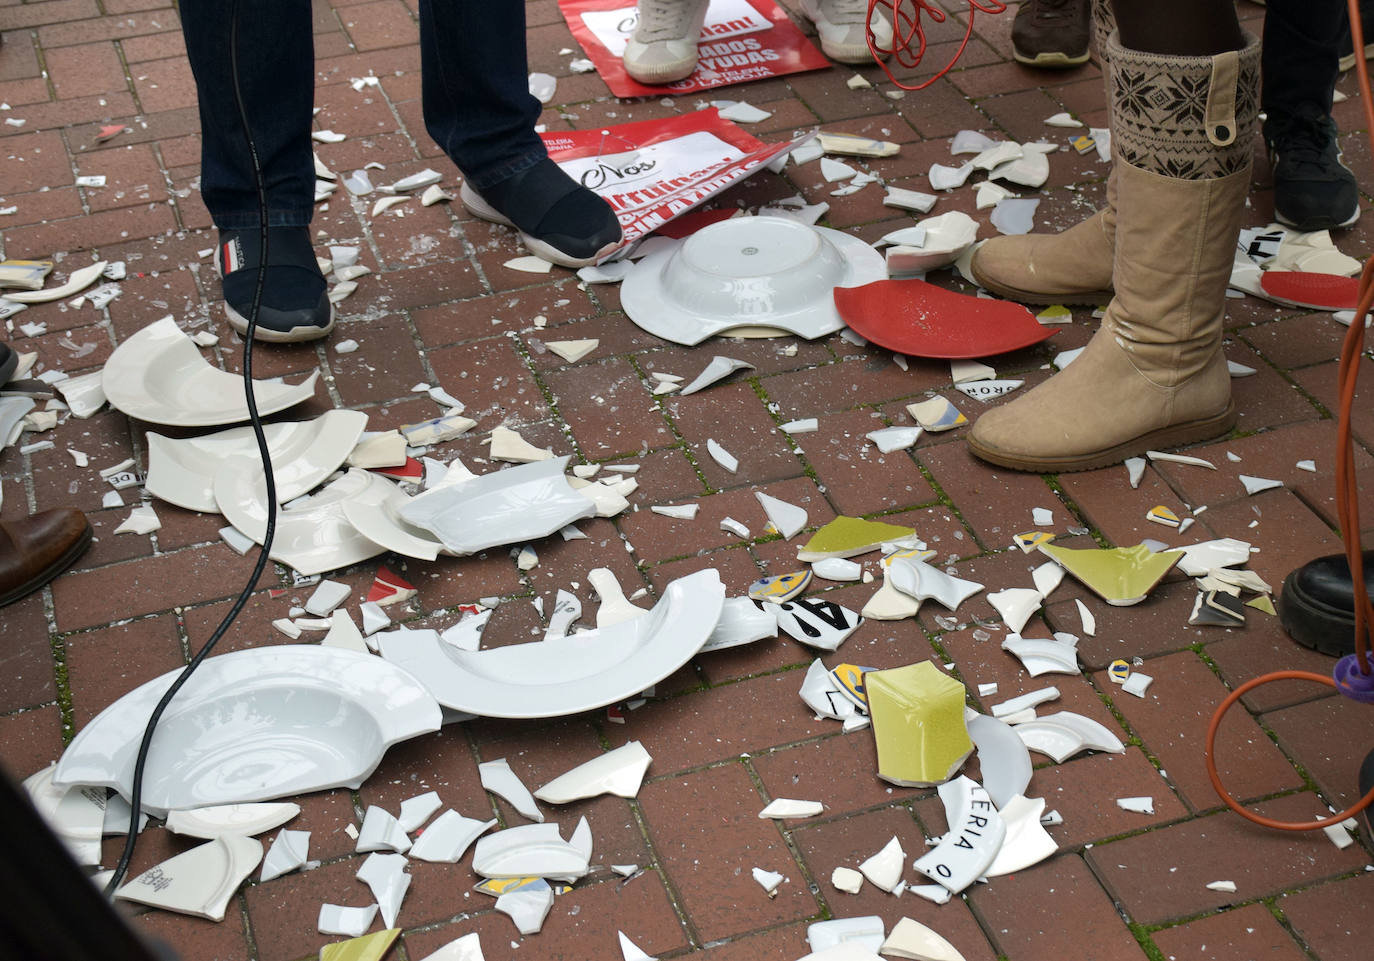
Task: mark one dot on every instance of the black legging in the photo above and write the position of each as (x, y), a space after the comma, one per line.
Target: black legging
(1190, 28)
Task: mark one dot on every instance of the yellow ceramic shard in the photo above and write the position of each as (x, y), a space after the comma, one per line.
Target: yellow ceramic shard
(1083, 143)
(370, 947)
(849, 536)
(1118, 670)
(918, 724)
(1121, 576)
(780, 587)
(1030, 540)
(850, 678)
(1058, 314)
(1262, 603)
(1162, 515)
(913, 552)
(499, 886)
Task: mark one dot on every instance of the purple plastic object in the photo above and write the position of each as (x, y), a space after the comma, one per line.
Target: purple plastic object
(1352, 683)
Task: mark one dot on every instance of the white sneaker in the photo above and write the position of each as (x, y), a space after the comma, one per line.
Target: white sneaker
(841, 27)
(663, 47)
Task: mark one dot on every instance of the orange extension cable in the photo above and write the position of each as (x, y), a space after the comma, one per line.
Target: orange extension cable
(1352, 675)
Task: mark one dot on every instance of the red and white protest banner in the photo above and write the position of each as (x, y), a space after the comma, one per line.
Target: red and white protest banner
(742, 40)
(654, 170)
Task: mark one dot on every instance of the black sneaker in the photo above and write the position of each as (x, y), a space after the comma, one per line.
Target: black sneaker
(1313, 190)
(1348, 40)
(1051, 33)
(295, 305)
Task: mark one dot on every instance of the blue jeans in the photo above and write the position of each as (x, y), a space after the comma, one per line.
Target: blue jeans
(476, 99)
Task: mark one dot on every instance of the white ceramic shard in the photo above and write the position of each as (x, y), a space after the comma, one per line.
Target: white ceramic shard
(466, 948)
(986, 390)
(1137, 683)
(509, 506)
(1179, 459)
(755, 272)
(1047, 577)
(376, 514)
(344, 921)
(198, 882)
(529, 265)
(615, 608)
(1253, 485)
(76, 815)
(1202, 557)
(807, 425)
(912, 939)
(999, 153)
(1062, 735)
(732, 526)
(884, 869)
(722, 456)
(1014, 216)
(768, 880)
(238, 704)
(974, 837)
(1002, 757)
(631, 951)
(528, 907)
(890, 439)
(742, 621)
(243, 820)
(1026, 842)
(783, 807)
(943, 177)
(572, 350)
(415, 811)
(80, 279)
(448, 837)
(327, 596)
(1042, 656)
(1024, 701)
(920, 580)
(912, 200)
(374, 618)
(386, 875)
(566, 610)
(313, 534)
(1137, 805)
(508, 445)
(822, 693)
(847, 880)
(837, 569)
(498, 778)
(572, 674)
(787, 519)
(158, 375)
(287, 853)
(890, 604)
(718, 369)
(142, 520)
(384, 449)
(1086, 617)
(865, 933)
(1226, 887)
(528, 851)
(1031, 169)
(618, 772)
(381, 832)
(835, 170)
(817, 622)
(1016, 605)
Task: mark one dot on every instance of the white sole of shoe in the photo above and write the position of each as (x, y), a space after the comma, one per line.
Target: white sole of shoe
(475, 205)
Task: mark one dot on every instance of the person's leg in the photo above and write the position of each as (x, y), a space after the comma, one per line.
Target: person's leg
(478, 108)
(1313, 190)
(1153, 375)
(663, 46)
(276, 82)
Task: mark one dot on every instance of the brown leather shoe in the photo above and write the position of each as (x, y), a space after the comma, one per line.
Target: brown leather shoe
(37, 548)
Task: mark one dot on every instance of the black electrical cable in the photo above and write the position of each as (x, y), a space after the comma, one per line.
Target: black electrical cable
(135, 796)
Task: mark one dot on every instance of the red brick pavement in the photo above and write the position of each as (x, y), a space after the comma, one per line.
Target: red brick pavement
(727, 732)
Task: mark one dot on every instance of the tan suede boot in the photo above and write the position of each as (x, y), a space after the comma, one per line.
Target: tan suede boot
(1153, 375)
(1070, 267)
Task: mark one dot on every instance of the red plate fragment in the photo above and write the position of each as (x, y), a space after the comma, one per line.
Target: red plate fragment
(923, 320)
(412, 469)
(388, 587)
(1319, 291)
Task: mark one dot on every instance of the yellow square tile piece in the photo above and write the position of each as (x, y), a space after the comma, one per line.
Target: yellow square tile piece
(848, 536)
(370, 947)
(918, 724)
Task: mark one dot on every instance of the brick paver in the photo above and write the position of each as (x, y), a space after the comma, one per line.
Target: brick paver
(727, 731)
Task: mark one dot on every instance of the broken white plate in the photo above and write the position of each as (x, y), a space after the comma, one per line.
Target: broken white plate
(920, 580)
(415, 811)
(498, 778)
(1063, 734)
(1200, 558)
(782, 807)
(571, 674)
(386, 875)
(80, 279)
(865, 932)
(1042, 656)
(76, 815)
(508, 506)
(528, 851)
(748, 271)
(947, 236)
(975, 834)
(817, 622)
(718, 369)
(618, 772)
(158, 375)
(198, 882)
(1002, 756)
(345, 921)
(742, 621)
(1016, 605)
(466, 948)
(375, 513)
(313, 535)
(238, 706)
(615, 607)
(837, 569)
(884, 869)
(528, 907)
(787, 519)
(448, 838)
(912, 939)
(632, 951)
(243, 820)
(182, 471)
(287, 853)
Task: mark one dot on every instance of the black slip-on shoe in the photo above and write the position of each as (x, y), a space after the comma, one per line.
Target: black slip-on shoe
(295, 304)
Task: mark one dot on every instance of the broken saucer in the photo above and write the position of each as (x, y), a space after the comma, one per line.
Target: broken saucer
(748, 271)
(1002, 756)
(975, 835)
(529, 850)
(198, 882)
(243, 820)
(617, 772)
(447, 839)
(1063, 734)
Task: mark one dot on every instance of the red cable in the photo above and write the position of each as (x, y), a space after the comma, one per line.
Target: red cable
(1347, 507)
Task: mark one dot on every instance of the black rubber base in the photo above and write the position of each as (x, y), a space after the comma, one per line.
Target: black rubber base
(1366, 784)
(1314, 624)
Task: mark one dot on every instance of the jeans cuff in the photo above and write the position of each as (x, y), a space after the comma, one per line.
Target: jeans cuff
(276, 217)
(505, 170)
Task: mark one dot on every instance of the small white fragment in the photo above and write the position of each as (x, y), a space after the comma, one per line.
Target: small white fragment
(543, 86)
(987, 690)
(1087, 618)
(327, 596)
(1307, 465)
(1253, 485)
(203, 338)
(890, 439)
(807, 425)
(434, 194)
(1137, 683)
(788, 808)
(624, 870)
(847, 880)
(837, 569)
(1179, 459)
(142, 520)
(768, 880)
(1140, 805)
(374, 618)
(684, 512)
(1229, 887)
(740, 112)
(1042, 517)
(572, 350)
(836, 170)
(1135, 469)
(530, 265)
(735, 527)
(858, 82)
(722, 456)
